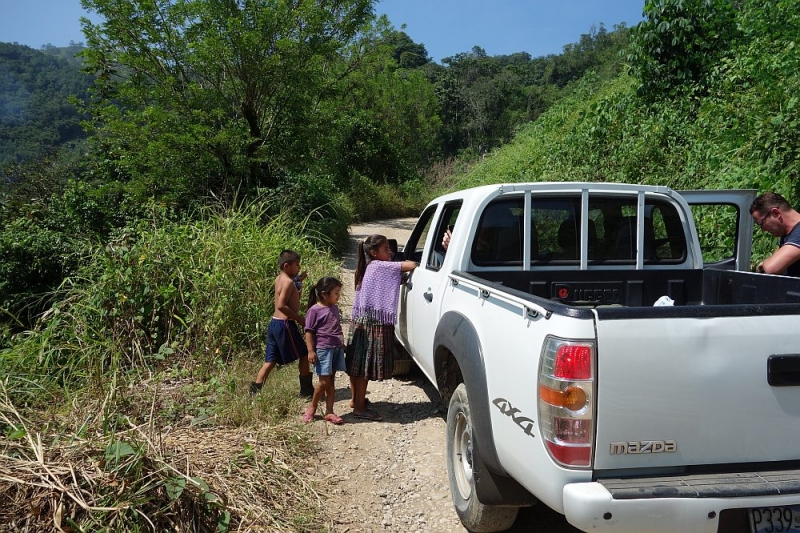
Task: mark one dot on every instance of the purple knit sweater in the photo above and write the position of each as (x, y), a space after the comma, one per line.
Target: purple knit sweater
(380, 289)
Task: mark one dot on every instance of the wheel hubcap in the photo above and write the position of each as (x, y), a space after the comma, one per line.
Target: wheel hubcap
(462, 455)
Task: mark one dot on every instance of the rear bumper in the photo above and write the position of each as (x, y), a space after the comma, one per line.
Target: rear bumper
(677, 504)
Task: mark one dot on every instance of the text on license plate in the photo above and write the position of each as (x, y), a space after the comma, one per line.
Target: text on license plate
(775, 519)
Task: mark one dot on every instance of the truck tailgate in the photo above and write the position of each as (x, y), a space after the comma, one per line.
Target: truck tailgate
(676, 391)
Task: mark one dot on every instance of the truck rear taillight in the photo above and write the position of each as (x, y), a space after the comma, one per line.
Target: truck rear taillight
(566, 400)
(573, 362)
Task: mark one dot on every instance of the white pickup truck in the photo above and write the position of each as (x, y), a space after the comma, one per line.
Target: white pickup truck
(566, 385)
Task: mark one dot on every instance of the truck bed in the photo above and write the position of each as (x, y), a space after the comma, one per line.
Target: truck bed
(641, 288)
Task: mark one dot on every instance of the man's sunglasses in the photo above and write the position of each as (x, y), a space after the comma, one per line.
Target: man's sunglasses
(761, 222)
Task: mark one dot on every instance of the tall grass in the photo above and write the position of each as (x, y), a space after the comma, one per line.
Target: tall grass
(154, 341)
(158, 293)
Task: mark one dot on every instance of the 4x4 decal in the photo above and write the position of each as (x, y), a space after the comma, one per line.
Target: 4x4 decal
(522, 421)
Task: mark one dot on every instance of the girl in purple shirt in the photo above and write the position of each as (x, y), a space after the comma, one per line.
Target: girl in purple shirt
(325, 344)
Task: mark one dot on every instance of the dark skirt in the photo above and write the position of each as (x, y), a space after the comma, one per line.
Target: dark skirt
(370, 352)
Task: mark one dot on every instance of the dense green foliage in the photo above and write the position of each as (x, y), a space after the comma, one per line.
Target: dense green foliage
(676, 47)
(226, 99)
(484, 99)
(36, 111)
(733, 127)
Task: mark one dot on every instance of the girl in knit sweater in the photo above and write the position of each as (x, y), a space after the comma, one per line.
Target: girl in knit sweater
(370, 352)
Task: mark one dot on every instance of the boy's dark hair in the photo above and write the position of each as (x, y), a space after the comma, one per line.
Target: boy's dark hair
(764, 203)
(373, 242)
(324, 286)
(287, 256)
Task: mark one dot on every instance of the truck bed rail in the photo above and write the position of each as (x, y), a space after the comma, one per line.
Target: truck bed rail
(485, 290)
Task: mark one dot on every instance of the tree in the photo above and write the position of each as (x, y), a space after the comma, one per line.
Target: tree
(407, 53)
(387, 121)
(199, 96)
(674, 48)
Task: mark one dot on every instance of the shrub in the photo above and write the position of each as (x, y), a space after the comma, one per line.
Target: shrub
(161, 292)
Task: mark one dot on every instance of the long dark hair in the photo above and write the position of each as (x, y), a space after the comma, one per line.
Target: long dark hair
(324, 286)
(373, 242)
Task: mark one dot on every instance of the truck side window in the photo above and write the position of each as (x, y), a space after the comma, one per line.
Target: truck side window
(416, 243)
(446, 220)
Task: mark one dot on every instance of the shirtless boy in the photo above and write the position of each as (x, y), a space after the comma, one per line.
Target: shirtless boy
(285, 343)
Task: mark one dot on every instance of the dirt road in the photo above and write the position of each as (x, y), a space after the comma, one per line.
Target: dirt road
(391, 475)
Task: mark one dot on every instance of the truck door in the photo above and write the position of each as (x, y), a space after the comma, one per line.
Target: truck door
(425, 288)
(412, 251)
(724, 226)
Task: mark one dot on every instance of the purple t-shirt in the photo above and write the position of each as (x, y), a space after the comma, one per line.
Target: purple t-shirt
(324, 322)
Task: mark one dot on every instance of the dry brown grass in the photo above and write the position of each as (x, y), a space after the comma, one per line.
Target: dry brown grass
(148, 477)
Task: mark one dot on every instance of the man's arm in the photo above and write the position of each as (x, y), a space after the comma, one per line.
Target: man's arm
(783, 258)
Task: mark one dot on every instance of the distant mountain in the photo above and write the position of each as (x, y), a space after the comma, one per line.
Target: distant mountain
(36, 114)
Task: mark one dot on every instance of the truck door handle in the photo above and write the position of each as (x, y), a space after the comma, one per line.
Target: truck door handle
(783, 370)
(428, 295)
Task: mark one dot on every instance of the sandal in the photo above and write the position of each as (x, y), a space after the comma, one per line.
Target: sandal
(334, 419)
(368, 414)
(308, 416)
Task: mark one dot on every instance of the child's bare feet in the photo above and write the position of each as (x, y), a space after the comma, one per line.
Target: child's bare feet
(366, 403)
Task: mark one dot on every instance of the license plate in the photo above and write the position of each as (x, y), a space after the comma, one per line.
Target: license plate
(775, 519)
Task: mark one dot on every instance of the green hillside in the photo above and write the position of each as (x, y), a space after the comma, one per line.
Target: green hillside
(733, 122)
(736, 126)
(37, 113)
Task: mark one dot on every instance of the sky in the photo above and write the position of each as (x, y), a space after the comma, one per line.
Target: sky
(445, 27)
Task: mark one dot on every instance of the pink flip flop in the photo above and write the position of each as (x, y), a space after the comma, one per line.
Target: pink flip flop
(334, 419)
(308, 416)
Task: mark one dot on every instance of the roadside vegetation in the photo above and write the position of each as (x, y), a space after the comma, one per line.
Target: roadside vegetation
(137, 258)
(126, 407)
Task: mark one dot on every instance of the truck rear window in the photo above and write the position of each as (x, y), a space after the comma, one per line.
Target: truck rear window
(554, 231)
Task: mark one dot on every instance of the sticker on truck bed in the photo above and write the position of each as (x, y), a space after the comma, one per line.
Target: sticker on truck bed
(599, 292)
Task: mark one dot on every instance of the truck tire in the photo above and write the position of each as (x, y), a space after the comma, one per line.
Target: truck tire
(474, 515)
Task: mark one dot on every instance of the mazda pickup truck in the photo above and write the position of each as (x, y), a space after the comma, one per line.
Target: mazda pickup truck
(600, 357)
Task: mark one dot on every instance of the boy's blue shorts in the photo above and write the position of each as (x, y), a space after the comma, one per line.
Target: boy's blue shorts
(284, 342)
(329, 361)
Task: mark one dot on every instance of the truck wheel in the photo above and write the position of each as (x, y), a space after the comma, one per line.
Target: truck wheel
(475, 516)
